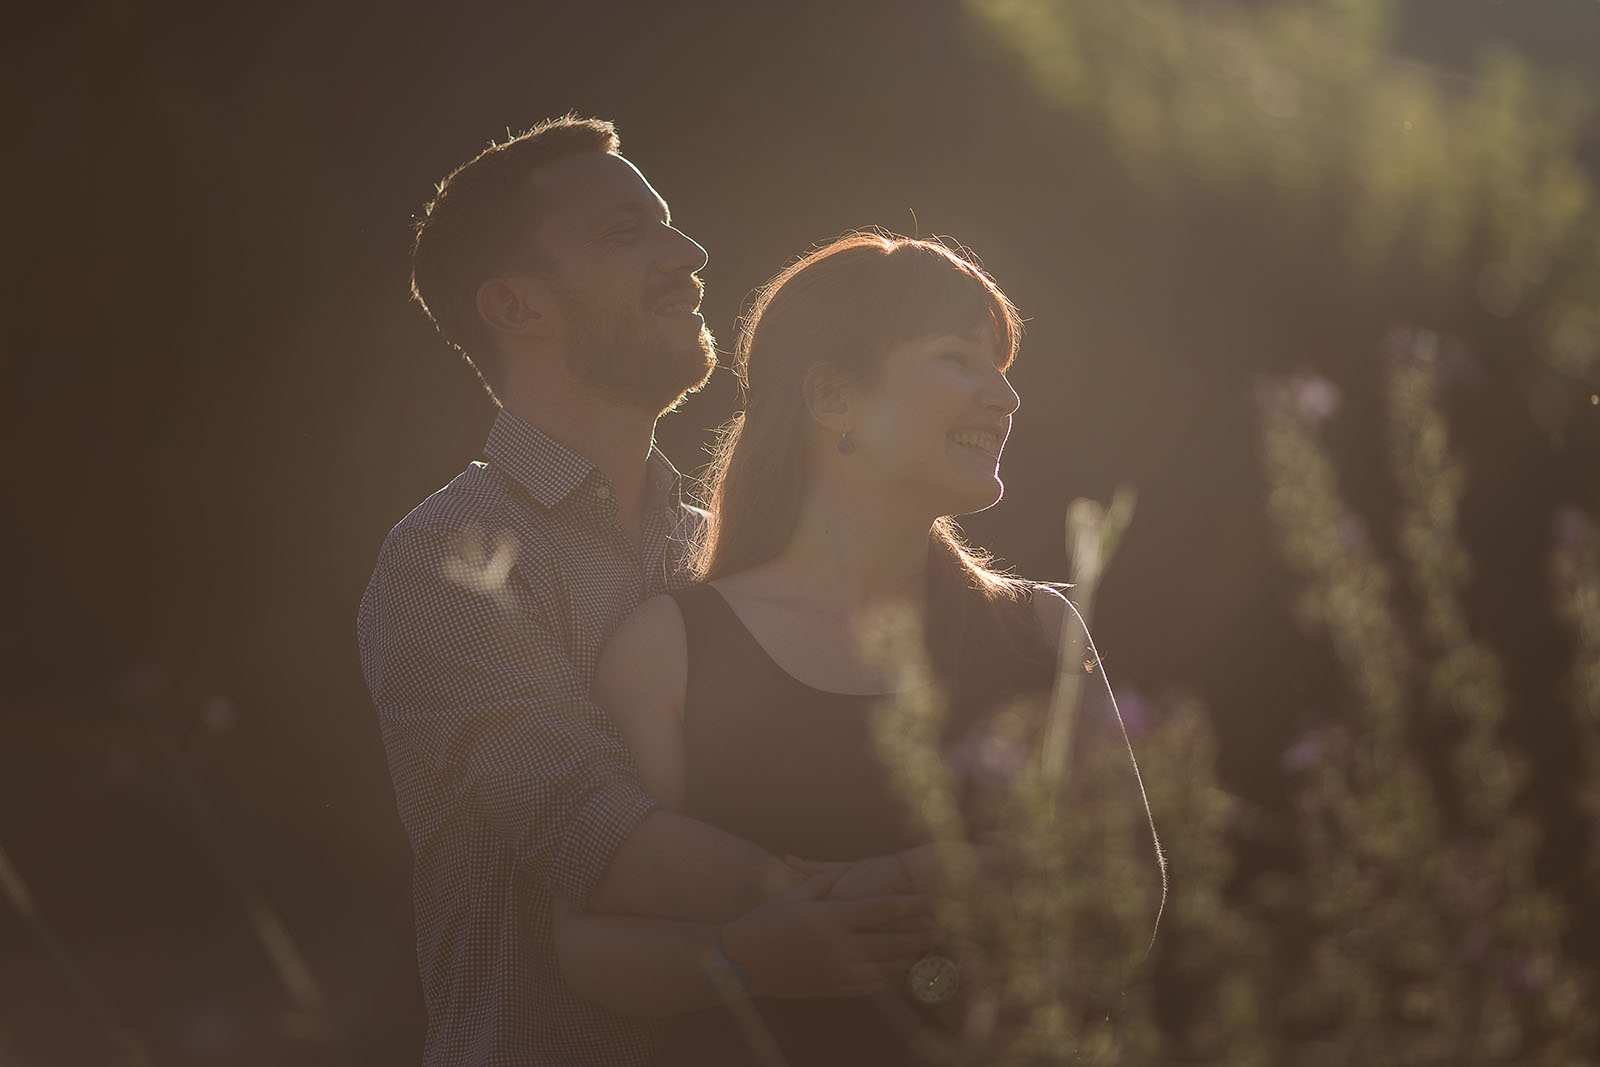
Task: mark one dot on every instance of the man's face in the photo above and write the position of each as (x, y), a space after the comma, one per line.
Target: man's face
(625, 283)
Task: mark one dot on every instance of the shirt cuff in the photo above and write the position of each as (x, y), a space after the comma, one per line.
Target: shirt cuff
(598, 826)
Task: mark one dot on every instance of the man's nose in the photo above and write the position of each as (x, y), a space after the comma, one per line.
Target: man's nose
(684, 253)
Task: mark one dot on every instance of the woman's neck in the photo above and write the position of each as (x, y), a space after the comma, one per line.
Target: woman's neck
(853, 554)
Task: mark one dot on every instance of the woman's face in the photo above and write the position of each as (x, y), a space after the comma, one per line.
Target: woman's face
(935, 420)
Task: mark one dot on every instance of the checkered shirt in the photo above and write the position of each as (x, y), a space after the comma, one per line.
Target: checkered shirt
(478, 634)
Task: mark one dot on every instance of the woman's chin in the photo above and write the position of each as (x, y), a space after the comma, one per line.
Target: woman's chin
(980, 497)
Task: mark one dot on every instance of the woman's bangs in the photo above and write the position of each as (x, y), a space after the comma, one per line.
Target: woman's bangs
(941, 295)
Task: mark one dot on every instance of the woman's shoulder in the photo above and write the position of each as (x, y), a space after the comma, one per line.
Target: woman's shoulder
(655, 618)
(648, 643)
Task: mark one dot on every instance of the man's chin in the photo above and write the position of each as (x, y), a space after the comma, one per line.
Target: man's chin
(659, 395)
(657, 374)
(707, 365)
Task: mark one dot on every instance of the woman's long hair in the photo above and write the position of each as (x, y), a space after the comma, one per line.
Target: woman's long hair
(847, 304)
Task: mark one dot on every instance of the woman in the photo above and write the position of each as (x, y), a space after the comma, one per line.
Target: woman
(877, 406)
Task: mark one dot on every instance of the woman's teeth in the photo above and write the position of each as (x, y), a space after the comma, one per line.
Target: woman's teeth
(979, 439)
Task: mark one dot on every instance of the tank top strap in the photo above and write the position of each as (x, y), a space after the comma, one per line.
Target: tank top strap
(718, 641)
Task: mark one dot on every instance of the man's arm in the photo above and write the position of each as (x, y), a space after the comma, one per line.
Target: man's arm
(471, 683)
(799, 944)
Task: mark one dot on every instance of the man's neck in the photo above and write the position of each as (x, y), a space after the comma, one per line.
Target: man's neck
(615, 438)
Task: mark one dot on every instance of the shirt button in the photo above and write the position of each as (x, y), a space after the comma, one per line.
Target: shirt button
(602, 492)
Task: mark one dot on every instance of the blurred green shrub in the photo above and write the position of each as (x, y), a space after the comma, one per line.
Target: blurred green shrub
(1475, 180)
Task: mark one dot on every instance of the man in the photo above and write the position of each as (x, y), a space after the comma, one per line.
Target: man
(554, 267)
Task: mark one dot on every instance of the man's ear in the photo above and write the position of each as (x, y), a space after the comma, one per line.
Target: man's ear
(828, 393)
(519, 306)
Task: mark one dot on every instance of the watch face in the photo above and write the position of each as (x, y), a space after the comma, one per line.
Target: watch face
(933, 979)
(725, 980)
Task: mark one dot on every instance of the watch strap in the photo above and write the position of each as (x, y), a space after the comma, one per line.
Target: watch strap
(725, 977)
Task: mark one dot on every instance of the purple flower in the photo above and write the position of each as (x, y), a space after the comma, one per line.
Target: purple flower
(1353, 533)
(986, 755)
(1569, 527)
(1307, 752)
(1315, 397)
(1525, 976)
(1138, 715)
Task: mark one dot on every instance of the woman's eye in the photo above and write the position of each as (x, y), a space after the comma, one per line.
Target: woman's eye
(954, 356)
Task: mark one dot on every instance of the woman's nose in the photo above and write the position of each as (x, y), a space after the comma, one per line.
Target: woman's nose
(999, 396)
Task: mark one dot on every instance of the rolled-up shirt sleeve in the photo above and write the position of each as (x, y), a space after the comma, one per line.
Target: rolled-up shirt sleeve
(484, 713)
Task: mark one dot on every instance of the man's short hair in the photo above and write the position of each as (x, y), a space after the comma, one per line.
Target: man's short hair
(481, 223)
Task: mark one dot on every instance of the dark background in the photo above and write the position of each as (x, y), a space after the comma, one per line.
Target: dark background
(217, 400)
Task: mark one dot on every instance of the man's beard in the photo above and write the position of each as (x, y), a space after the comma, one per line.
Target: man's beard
(622, 359)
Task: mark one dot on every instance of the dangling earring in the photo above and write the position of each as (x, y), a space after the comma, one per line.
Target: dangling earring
(846, 446)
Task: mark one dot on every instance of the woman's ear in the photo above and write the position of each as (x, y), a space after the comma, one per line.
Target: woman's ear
(828, 393)
(516, 306)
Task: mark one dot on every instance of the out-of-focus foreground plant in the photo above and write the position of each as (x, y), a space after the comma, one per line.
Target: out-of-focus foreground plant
(1576, 573)
(1414, 930)
(1055, 933)
(1427, 935)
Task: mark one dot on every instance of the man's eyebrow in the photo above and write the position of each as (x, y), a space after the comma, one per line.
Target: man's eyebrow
(649, 209)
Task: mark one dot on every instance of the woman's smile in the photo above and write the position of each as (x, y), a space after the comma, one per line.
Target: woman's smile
(989, 442)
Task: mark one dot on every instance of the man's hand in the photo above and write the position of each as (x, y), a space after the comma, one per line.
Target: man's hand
(880, 876)
(918, 870)
(803, 944)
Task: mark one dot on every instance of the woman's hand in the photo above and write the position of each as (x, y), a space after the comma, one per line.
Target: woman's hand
(808, 943)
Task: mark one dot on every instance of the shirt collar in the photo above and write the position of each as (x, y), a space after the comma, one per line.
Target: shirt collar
(550, 471)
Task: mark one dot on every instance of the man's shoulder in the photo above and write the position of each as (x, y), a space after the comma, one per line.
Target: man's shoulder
(476, 494)
(477, 498)
(479, 504)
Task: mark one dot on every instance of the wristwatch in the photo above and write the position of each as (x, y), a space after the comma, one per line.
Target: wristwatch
(726, 978)
(933, 979)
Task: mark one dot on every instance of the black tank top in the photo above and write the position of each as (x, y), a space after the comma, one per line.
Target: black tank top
(796, 770)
